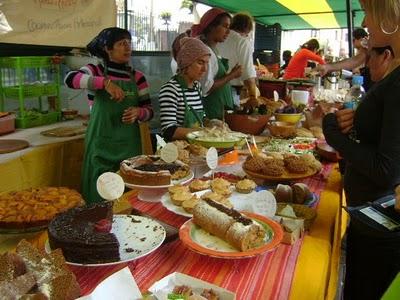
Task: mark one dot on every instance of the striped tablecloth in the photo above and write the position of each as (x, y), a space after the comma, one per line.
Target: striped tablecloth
(268, 276)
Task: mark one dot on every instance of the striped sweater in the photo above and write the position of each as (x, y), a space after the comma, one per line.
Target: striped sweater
(91, 77)
(172, 105)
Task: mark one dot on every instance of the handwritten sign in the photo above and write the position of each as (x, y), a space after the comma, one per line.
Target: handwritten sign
(43, 22)
(264, 203)
(169, 153)
(212, 158)
(110, 186)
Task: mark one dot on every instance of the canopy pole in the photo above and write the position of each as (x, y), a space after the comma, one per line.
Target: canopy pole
(126, 14)
(349, 14)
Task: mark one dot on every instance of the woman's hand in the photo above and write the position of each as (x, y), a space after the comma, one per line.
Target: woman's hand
(323, 69)
(116, 93)
(345, 119)
(130, 115)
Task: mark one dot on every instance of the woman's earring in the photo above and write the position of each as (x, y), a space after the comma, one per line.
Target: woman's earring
(387, 32)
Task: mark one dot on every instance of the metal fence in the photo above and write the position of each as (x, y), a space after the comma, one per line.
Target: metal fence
(145, 37)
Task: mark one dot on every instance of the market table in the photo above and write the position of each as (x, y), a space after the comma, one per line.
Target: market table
(306, 270)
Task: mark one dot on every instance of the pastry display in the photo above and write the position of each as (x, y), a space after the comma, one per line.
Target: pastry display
(245, 186)
(189, 204)
(150, 170)
(35, 206)
(83, 234)
(178, 188)
(228, 224)
(198, 185)
(179, 198)
(31, 274)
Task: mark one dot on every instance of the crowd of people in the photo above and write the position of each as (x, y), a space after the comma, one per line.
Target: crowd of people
(205, 83)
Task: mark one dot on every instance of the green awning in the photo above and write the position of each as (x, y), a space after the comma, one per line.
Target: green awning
(294, 14)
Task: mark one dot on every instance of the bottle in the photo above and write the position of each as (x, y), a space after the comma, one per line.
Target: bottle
(355, 94)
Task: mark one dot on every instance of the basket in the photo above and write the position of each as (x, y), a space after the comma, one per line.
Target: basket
(38, 120)
(301, 211)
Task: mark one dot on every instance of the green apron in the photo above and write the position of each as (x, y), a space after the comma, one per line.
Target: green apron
(193, 118)
(108, 141)
(215, 103)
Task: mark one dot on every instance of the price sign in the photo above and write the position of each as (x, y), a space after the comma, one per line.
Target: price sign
(110, 186)
(169, 153)
(212, 158)
(264, 203)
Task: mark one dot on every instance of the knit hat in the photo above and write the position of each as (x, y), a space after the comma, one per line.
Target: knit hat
(190, 50)
(206, 20)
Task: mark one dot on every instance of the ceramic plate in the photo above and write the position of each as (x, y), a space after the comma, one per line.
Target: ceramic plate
(242, 202)
(202, 242)
(137, 233)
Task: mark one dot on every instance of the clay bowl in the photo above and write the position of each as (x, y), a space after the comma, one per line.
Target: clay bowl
(250, 124)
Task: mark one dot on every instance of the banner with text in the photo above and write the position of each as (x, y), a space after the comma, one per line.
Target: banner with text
(71, 23)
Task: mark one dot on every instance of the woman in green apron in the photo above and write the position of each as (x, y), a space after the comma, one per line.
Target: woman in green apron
(121, 100)
(181, 108)
(214, 29)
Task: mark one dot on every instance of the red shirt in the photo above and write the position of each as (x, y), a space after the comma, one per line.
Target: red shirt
(298, 63)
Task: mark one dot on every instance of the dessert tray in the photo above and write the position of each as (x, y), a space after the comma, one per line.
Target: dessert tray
(242, 202)
(153, 193)
(202, 242)
(286, 176)
(138, 236)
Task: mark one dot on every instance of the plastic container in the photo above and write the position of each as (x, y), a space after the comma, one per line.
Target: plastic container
(7, 124)
(355, 94)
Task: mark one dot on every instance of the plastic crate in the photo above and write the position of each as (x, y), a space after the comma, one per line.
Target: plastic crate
(34, 90)
(38, 119)
(25, 61)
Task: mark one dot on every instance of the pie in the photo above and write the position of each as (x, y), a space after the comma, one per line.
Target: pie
(35, 206)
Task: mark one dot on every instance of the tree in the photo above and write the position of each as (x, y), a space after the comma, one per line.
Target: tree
(188, 4)
(166, 17)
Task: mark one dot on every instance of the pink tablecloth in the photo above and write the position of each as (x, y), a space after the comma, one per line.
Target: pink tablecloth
(268, 276)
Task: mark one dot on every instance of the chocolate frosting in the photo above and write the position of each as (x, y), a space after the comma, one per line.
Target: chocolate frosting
(237, 216)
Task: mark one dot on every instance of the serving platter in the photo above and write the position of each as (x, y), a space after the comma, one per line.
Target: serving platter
(202, 242)
(136, 239)
(196, 137)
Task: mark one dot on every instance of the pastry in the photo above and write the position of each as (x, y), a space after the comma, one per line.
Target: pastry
(217, 198)
(197, 150)
(178, 188)
(284, 193)
(151, 170)
(245, 186)
(179, 198)
(312, 162)
(184, 156)
(199, 185)
(189, 204)
(228, 224)
(301, 193)
(273, 167)
(295, 164)
(35, 206)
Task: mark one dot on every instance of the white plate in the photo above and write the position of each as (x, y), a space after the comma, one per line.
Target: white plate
(241, 202)
(140, 236)
(174, 182)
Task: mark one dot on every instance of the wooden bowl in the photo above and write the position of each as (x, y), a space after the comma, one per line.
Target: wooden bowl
(282, 129)
(327, 152)
(250, 124)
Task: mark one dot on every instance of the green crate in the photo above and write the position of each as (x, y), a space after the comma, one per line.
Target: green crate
(38, 120)
(25, 61)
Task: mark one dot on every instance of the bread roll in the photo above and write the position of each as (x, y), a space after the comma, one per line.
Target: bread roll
(228, 224)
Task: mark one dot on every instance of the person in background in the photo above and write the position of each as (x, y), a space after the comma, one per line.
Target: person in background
(181, 107)
(213, 29)
(238, 49)
(299, 61)
(286, 57)
(175, 48)
(121, 100)
(360, 43)
(372, 161)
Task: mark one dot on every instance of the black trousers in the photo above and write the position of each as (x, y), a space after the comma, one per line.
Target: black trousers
(372, 261)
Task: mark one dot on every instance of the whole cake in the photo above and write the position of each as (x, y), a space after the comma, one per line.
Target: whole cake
(82, 233)
(152, 170)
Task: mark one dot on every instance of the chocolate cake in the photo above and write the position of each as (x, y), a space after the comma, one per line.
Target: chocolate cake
(80, 234)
